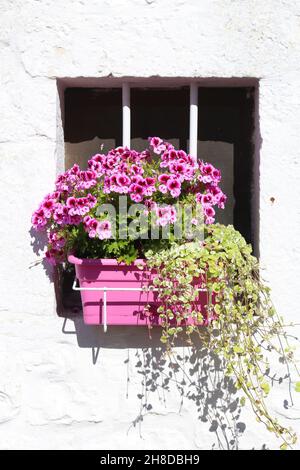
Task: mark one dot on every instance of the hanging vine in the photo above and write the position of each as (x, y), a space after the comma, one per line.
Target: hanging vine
(238, 323)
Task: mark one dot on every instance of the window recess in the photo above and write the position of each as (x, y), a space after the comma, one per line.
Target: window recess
(213, 123)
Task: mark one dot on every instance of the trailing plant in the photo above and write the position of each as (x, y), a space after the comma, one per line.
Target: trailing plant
(242, 325)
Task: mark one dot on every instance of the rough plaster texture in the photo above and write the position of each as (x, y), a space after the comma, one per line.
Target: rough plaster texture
(52, 395)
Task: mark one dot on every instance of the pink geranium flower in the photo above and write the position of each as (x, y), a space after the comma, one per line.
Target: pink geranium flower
(85, 222)
(57, 241)
(216, 174)
(51, 256)
(136, 192)
(104, 230)
(75, 170)
(209, 213)
(71, 202)
(207, 169)
(150, 181)
(92, 228)
(163, 188)
(48, 207)
(38, 222)
(155, 141)
(174, 187)
(164, 178)
(82, 206)
(172, 155)
(157, 145)
(91, 200)
(136, 170)
(75, 220)
(209, 174)
(150, 206)
(178, 167)
(222, 200)
(165, 215)
(123, 180)
(206, 199)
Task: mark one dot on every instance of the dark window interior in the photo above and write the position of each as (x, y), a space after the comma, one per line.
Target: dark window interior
(162, 112)
(227, 115)
(93, 112)
(93, 116)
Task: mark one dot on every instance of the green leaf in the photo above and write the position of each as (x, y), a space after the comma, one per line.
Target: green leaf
(238, 349)
(265, 387)
(242, 401)
(297, 387)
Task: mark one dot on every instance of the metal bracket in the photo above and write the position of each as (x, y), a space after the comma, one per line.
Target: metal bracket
(108, 289)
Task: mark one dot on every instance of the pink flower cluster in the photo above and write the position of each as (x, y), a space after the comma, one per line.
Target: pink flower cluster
(183, 167)
(179, 165)
(56, 245)
(76, 179)
(96, 228)
(67, 212)
(212, 197)
(123, 173)
(158, 183)
(165, 215)
(80, 205)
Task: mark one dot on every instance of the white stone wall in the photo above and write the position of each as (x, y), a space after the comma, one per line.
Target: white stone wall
(52, 395)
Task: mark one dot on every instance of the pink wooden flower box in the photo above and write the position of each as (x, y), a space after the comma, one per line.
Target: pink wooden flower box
(124, 307)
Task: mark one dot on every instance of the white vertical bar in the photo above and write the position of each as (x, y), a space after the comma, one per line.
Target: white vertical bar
(104, 311)
(126, 114)
(193, 119)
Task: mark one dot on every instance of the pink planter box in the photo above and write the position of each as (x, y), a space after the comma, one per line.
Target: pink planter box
(123, 307)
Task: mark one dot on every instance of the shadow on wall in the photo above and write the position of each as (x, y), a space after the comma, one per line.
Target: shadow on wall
(192, 373)
(38, 242)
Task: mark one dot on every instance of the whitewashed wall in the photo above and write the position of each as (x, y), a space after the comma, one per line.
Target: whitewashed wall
(52, 395)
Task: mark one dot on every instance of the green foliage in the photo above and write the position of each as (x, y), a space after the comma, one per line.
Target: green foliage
(245, 329)
(124, 249)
